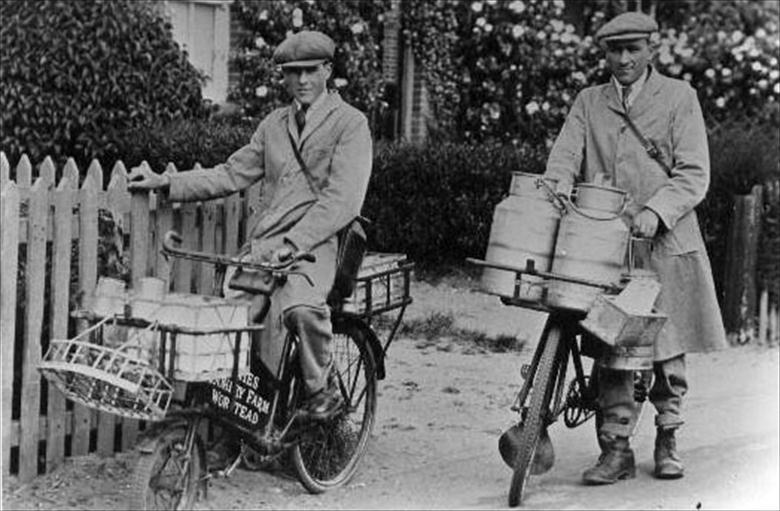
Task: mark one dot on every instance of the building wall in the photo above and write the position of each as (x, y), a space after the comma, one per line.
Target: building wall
(202, 28)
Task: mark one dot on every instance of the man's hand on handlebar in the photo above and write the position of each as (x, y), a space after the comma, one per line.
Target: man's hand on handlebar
(645, 223)
(143, 178)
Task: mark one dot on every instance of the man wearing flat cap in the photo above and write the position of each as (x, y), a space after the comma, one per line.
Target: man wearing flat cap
(307, 197)
(644, 133)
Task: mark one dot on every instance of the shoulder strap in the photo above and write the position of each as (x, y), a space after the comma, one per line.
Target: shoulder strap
(304, 169)
(650, 147)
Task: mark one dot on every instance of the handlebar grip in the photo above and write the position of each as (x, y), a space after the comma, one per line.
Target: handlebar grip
(306, 256)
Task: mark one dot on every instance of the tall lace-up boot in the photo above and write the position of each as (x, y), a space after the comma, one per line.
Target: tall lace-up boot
(667, 462)
(615, 463)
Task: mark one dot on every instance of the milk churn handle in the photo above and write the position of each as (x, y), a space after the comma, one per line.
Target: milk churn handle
(573, 207)
(556, 199)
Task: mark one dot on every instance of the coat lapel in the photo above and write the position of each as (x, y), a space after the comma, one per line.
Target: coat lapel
(319, 115)
(610, 95)
(644, 100)
(292, 128)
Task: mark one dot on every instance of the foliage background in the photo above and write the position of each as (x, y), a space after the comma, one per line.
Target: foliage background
(76, 74)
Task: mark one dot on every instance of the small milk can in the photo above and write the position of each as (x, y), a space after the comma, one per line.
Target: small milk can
(524, 227)
(591, 244)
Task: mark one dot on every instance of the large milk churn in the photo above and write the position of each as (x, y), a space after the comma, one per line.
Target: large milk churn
(524, 227)
(592, 242)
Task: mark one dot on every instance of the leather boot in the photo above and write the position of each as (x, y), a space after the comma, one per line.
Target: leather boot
(615, 463)
(667, 462)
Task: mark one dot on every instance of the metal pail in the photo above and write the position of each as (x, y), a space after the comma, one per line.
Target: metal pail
(524, 227)
(591, 244)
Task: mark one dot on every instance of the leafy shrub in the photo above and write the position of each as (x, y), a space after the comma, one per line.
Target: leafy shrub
(742, 155)
(75, 73)
(510, 70)
(355, 26)
(184, 143)
(435, 202)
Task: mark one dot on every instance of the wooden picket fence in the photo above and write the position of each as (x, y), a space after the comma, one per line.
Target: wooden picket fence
(48, 218)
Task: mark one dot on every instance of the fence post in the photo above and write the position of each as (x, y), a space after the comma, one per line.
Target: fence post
(739, 302)
(24, 172)
(35, 273)
(9, 251)
(164, 223)
(60, 295)
(5, 170)
(88, 241)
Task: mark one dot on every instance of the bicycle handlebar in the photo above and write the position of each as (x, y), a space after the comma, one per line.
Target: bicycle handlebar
(173, 238)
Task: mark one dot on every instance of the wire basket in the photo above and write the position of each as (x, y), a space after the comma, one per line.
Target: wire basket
(113, 380)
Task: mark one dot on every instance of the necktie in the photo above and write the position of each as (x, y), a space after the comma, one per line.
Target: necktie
(300, 119)
(626, 92)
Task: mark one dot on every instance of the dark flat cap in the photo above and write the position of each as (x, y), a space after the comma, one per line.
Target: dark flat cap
(629, 25)
(304, 48)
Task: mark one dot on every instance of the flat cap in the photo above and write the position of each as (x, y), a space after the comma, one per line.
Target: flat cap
(629, 25)
(304, 48)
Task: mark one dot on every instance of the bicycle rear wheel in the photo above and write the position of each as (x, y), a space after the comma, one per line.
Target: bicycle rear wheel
(536, 415)
(328, 453)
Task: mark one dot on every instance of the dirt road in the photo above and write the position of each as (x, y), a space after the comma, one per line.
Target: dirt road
(441, 411)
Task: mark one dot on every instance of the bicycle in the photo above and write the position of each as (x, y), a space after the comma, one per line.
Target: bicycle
(142, 379)
(543, 397)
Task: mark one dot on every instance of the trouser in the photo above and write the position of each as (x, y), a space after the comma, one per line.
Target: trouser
(313, 327)
(619, 409)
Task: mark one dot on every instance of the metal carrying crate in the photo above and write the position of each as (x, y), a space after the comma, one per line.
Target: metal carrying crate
(382, 285)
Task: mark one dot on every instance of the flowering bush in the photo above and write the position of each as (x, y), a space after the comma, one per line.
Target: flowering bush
(511, 69)
(355, 27)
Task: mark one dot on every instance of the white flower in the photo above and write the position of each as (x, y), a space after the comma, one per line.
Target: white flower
(738, 57)
(558, 3)
(763, 84)
(569, 28)
(565, 97)
(532, 107)
(558, 52)
(757, 67)
(263, 15)
(518, 31)
(710, 73)
(297, 15)
(545, 106)
(517, 6)
(488, 27)
(687, 77)
(774, 74)
(579, 76)
(519, 93)
(480, 22)
(773, 62)
(557, 25)
(726, 72)
(340, 82)
(541, 35)
(492, 2)
(476, 6)
(675, 69)
(720, 102)
(761, 33)
(495, 111)
(737, 36)
(753, 53)
(357, 28)
(260, 42)
(753, 91)
(261, 91)
(664, 57)
(776, 88)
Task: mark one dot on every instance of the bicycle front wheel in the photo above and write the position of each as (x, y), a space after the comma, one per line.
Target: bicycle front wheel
(169, 475)
(328, 453)
(536, 415)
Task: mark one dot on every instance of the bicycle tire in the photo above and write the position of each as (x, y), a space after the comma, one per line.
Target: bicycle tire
(540, 396)
(148, 489)
(328, 454)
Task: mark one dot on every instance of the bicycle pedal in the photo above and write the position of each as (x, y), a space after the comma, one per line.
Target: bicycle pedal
(524, 370)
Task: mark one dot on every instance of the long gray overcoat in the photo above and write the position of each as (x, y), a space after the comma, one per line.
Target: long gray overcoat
(596, 142)
(306, 210)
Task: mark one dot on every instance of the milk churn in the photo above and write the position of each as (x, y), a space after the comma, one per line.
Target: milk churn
(591, 244)
(524, 227)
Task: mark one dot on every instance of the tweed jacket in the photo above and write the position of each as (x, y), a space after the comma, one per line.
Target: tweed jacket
(596, 143)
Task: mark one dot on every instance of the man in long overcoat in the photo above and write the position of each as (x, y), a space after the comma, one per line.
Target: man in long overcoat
(598, 144)
(304, 207)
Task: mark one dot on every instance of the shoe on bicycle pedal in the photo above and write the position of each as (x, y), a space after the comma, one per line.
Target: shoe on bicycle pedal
(323, 404)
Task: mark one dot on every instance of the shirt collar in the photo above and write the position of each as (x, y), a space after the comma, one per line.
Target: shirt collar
(314, 105)
(635, 87)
